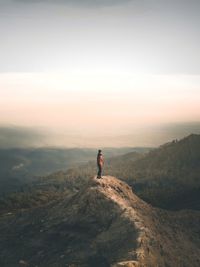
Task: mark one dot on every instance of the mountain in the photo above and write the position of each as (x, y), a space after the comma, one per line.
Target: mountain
(167, 177)
(104, 224)
(177, 161)
(20, 166)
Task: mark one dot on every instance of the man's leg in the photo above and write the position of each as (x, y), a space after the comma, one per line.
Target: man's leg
(99, 171)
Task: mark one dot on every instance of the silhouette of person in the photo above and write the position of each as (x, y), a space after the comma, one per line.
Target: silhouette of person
(100, 162)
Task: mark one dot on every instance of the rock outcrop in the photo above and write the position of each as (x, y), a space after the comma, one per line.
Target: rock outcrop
(104, 224)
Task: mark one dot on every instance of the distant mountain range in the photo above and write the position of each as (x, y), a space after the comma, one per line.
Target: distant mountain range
(167, 177)
(20, 166)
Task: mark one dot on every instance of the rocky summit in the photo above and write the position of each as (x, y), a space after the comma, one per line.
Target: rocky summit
(104, 224)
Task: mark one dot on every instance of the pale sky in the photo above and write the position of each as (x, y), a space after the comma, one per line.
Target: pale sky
(100, 69)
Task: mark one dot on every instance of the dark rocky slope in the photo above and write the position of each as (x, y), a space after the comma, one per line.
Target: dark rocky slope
(104, 224)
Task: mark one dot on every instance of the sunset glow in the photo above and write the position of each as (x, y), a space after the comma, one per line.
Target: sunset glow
(99, 69)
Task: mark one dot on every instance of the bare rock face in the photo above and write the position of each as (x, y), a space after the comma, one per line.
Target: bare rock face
(104, 224)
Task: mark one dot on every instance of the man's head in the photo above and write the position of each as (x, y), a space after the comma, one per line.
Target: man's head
(99, 151)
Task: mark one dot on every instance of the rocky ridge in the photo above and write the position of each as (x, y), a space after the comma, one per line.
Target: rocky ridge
(104, 224)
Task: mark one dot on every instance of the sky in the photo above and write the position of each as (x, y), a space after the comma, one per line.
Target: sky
(99, 73)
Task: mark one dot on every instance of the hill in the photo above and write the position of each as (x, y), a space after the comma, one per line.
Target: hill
(167, 177)
(104, 224)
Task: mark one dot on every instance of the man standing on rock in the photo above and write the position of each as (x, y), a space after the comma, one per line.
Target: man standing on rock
(100, 162)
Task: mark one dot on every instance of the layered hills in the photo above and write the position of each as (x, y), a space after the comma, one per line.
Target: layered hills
(167, 177)
(19, 167)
